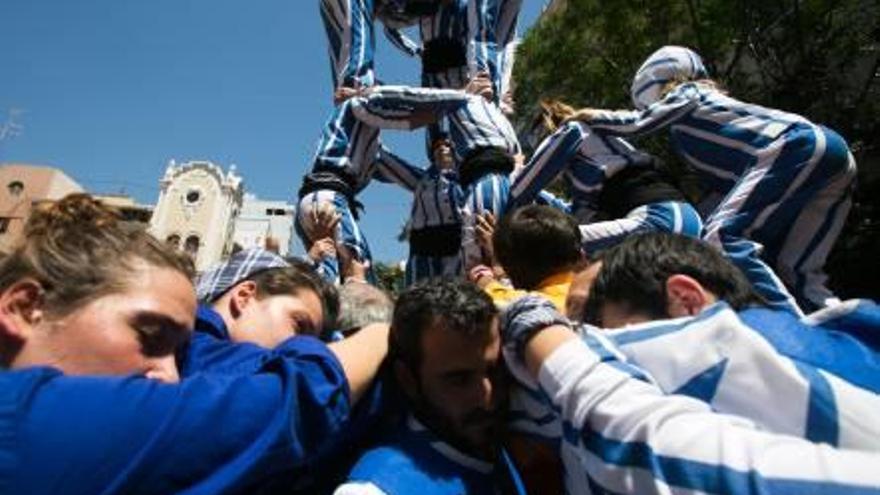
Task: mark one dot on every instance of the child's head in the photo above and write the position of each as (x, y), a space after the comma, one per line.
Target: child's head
(535, 242)
(670, 64)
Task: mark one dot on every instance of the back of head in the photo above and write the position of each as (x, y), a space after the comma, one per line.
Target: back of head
(79, 250)
(455, 305)
(362, 304)
(634, 274)
(535, 242)
(668, 64)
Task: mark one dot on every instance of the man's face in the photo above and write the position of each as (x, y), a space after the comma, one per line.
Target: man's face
(461, 390)
(269, 320)
(135, 330)
(443, 158)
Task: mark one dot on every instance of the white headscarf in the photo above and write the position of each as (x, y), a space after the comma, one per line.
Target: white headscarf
(666, 64)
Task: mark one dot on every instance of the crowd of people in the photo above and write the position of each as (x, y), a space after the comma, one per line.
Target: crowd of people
(614, 339)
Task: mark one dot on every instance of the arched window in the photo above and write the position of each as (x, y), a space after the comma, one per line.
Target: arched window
(15, 188)
(191, 246)
(173, 240)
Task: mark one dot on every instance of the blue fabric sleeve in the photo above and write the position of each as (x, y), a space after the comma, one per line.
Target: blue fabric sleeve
(211, 433)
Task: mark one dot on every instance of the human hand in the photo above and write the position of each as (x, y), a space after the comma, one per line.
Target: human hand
(485, 229)
(323, 221)
(481, 85)
(322, 248)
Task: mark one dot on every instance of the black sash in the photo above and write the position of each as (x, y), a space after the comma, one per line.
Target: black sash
(441, 54)
(333, 180)
(484, 161)
(441, 240)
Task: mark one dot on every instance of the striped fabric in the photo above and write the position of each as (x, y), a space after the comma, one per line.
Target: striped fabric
(351, 38)
(348, 232)
(674, 217)
(786, 376)
(621, 434)
(667, 65)
(350, 148)
(492, 36)
(787, 184)
(480, 124)
(349, 141)
(486, 30)
(585, 159)
(437, 202)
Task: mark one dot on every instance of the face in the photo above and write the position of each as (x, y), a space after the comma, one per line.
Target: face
(270, 320)
(461, 390)
(135, 331)
(443, 158)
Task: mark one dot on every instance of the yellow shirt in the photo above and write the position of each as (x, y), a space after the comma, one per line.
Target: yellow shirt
(554, 288)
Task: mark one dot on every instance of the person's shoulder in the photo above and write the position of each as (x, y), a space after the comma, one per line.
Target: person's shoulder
(17, 385)
(358, 488)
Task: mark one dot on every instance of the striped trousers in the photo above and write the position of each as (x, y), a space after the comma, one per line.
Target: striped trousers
(785, 212)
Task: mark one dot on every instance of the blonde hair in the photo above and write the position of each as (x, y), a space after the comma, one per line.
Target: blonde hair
(553, 114)
(707, 83)
(80, 250)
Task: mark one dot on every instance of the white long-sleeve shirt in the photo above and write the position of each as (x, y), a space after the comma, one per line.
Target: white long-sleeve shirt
(624, 435)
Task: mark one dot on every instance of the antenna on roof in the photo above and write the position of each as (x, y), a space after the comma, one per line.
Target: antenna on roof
(10, 128)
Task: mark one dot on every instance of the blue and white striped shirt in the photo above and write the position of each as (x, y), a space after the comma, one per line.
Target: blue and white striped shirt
(624, 435)
(586, 158)
(719, 136)
(437, 196)
(350, 139)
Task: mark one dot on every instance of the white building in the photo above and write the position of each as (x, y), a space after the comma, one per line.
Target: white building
(264, 223)
(197, 207)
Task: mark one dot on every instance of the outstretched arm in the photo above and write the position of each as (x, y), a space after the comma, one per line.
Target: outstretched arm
(673, 106)
(628, 437)
(391, 168)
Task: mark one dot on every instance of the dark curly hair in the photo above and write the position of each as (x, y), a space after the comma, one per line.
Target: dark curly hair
(456, 305)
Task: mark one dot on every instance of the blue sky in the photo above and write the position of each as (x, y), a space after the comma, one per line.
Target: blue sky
(112, 89)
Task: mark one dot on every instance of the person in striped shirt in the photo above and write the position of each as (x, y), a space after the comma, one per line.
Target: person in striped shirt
(787, 182)
(805, 378)
(607, 178)
(617, 431)
(351, 34)
(434, 227)
(465, 38)
(347, 156)
(486, 148)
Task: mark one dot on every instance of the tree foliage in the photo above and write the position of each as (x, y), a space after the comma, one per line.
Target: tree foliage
(817, 58)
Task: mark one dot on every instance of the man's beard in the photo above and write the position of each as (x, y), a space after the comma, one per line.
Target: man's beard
(450, 432)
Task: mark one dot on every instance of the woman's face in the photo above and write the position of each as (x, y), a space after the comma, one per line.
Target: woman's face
(133, 331)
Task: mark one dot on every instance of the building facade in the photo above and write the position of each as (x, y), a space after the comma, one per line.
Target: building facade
(264, 223)
(196, 210)
(21, 187)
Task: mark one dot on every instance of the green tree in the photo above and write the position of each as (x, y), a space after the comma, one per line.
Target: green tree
(390, 277)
